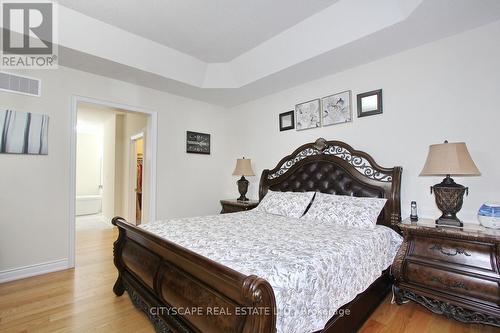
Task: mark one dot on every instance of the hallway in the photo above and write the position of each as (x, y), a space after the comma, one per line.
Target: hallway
(96, 222)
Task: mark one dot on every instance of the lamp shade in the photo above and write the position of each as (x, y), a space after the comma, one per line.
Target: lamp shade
(243, 167)
(449, 159)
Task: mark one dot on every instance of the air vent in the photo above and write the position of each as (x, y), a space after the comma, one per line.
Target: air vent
(20, 84)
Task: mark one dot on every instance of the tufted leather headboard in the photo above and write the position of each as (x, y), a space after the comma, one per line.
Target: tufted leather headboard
(335, 167)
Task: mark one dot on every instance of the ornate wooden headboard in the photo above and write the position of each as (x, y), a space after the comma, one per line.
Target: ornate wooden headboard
(335, 167)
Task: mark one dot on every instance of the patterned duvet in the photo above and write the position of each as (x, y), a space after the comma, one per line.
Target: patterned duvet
(314, 268)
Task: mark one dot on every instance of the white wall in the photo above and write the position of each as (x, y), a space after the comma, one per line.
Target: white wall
(108, 167)
(34, 211)
(444, 90)
(88, 163)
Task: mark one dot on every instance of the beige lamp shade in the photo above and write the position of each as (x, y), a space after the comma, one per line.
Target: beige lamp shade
(243, 167)
(449, 159)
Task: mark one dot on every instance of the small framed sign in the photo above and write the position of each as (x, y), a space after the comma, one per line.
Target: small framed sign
(197, 143)
(370, 103)
(287, 121)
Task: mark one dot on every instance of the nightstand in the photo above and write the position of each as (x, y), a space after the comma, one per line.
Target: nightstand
(233, 206)
(450, 270)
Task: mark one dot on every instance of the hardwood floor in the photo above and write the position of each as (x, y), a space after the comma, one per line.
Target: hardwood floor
(81, 300)
(76, 300)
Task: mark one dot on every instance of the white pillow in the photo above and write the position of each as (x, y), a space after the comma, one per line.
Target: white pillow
(291, 204)
(345, 210)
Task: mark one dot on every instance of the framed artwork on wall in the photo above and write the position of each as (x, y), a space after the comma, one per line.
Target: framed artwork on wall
(23, 133)
(197, 143)
(287, 120)
(336, 109)
(308, 115)
(369, 103)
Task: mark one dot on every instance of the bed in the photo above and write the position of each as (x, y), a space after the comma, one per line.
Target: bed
(171, 271)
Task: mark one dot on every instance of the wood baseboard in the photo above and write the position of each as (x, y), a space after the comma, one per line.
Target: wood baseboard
(32, 270)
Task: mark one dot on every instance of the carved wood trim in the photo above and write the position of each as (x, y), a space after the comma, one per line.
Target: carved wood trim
(261, 295)
(397, 265)
(118, 287)
(158, 323)
(360, 161)
(439, 248)
(461, 314)
(497, 257)
(452, 285)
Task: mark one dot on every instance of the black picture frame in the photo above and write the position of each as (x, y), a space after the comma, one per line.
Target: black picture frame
(282, 116)
(197, 143)
(372, 111)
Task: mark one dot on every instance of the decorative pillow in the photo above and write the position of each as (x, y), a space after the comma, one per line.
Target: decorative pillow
(291, 204)
(345, 210)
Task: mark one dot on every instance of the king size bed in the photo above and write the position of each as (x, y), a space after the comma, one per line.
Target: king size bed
(261, 272)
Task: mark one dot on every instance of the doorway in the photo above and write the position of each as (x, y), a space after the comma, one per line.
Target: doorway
(113, 167)
(137, 176)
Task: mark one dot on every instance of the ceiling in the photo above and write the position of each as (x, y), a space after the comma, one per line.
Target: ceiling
(209, 30)
(342, 35)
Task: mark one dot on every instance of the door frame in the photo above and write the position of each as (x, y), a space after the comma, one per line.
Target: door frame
(132, 176)
(150, 153)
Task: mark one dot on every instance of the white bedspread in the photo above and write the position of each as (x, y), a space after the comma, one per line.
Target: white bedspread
(313, 268)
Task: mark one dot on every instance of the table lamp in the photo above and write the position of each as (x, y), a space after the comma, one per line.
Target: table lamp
(243, 168)
(449, 159)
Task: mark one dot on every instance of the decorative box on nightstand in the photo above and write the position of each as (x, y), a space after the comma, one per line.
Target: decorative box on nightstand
(233, 206)
(449, 270)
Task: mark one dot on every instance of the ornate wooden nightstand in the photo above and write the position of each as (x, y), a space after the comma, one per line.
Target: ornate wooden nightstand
(233, 205)
(451, 271)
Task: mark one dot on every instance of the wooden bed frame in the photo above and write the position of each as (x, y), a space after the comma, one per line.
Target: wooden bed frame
(181, 291)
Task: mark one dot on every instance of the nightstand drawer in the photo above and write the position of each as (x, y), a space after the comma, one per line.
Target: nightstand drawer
(446, 281)
(234, 206)
(460, 252)
(233, 209)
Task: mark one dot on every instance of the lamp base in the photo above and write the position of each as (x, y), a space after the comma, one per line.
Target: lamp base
(449, 199)
(242, 188)
(449, 222)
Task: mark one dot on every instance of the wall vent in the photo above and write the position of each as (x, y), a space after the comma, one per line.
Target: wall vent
(20, 84)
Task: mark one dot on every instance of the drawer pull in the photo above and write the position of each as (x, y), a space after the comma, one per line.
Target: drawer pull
(454, 285)
(437, 247)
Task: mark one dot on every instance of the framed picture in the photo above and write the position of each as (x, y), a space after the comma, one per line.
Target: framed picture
(370, 103)
(336, 109)
(197, 143)
(287, 121)
(308, 115)
(23, 133)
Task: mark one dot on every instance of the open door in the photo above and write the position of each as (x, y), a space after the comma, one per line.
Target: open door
(136, 178)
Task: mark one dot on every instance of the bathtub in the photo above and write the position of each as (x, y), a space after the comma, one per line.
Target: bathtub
(88, 204)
